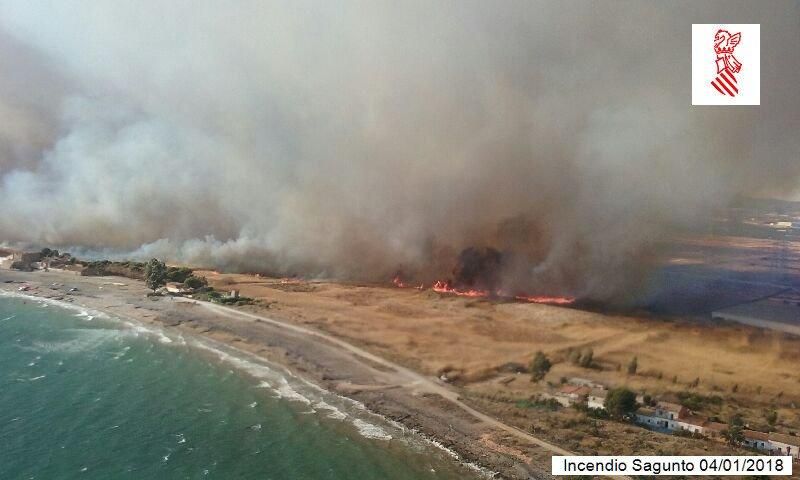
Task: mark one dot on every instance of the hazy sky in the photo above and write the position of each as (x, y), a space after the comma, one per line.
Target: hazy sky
(353, 139)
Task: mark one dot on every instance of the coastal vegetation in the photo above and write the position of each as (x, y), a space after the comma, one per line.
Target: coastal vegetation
(218, 297)
(101, 268)
(155, 274)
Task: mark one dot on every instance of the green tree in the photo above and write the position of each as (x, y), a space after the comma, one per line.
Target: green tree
(540, 365)
(734, 433)
(633, 366)
(620, 402)
(155, 274)
(195, 282)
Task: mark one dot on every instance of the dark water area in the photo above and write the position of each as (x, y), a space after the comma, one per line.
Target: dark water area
(86, 397)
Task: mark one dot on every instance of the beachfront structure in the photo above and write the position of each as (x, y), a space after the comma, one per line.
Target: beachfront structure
(782, 444)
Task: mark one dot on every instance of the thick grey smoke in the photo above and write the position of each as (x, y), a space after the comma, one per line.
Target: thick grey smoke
(353, 139)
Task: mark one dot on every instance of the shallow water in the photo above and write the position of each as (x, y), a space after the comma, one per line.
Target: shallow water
(82, 396)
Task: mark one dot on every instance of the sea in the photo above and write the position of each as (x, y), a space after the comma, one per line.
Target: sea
(86, 396)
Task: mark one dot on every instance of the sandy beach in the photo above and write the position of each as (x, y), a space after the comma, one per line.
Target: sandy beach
(419, 402)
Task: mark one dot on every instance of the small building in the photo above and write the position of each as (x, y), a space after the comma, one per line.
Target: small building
(647, 416)
(571, 394)
(671, 411)
(233, 294)
(783, 444)
(692, 423)
(596, 398)
(664, 416)
(757, 440)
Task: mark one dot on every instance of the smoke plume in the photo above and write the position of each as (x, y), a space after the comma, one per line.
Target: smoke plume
(356, 139)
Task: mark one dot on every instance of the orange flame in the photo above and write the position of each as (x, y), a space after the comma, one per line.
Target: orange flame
(443, 286)
(545, 299)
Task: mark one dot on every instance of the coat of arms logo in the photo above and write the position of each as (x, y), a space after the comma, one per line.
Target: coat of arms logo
(727, 65)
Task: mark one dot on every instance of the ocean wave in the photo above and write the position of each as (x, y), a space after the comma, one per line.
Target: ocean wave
(370, 430)
(158, 333)
(284, 385)
(86, 339)
(333, 412)
(44, 302)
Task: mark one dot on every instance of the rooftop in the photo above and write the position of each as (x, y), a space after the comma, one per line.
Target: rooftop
(784, 438)
(754, 435)
(574, 390)
(598, 392)
(670, 407)
(716, 426)
(695, 420)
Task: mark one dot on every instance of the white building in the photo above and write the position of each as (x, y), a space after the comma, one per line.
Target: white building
(647, 416)
(757, 440)
(783, 444)
(692, 423)
(665, 416)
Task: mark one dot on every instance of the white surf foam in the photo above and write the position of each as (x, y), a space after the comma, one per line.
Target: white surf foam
(370, 430)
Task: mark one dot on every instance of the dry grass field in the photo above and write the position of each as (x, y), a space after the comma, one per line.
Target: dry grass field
(729, 368)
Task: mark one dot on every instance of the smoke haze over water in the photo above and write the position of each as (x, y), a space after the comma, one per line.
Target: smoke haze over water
(353, 139)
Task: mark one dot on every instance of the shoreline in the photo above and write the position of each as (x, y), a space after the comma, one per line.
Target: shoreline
(315, 358)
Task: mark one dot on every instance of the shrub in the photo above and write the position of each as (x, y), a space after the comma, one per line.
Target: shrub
(540, 365)
(178, 274)
(195, 282)
(541, 404)
(772, 417)
(696, 401)
(598, 413)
